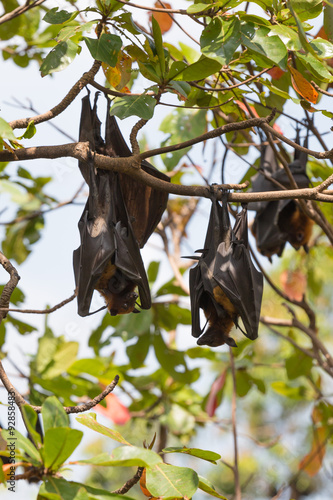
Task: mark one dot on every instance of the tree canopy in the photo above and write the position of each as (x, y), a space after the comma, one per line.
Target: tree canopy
(210, 89)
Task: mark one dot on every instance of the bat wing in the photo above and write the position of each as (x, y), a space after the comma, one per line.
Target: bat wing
(196, 288)
(86, 134)
(235, 273)
(145, 205)
(128, 257)
(96, 227)
(260, 182)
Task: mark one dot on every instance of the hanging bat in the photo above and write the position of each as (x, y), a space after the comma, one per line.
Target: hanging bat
(145, 205)
(225, 283)
(109, 259)
(278, 222)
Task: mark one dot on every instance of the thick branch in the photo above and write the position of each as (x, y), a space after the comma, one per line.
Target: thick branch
(131, 166)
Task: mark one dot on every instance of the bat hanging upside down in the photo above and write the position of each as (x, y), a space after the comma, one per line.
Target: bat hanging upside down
(119, 216)
(277, 222)
(225, 284)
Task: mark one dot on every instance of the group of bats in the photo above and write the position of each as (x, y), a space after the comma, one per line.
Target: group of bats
(121, 213)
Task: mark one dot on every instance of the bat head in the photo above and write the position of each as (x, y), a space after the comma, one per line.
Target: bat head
(214, 337)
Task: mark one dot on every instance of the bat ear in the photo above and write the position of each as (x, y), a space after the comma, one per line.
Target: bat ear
(230, 341)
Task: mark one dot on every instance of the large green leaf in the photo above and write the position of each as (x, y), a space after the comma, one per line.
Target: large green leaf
(105, 49)
(199, 70)
(259, 41)
(55, 16)
(59, 444)
(168, 481)
(298, 364)
(142, 106)
(59, 57)
(220, 39)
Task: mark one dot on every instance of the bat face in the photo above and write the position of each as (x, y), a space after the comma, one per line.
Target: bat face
(279, 222)
(108, 258)
(225, 284)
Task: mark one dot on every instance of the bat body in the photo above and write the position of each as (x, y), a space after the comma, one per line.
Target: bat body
(113, 225)
(225, 283)
(278, 222)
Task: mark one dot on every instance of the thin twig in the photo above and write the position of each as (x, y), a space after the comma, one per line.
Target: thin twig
(41, 311)
(238, 493)
(130, 483)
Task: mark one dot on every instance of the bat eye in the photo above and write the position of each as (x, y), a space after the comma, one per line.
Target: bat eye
(299, 236)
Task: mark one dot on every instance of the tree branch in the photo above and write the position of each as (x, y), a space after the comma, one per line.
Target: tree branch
(130, 483)
(9, 287)
(67, 100)
(41, 311)
(19, 10)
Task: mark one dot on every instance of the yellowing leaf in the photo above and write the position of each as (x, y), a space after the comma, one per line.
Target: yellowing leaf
(119, 75)
(302, 86)
(164, 20)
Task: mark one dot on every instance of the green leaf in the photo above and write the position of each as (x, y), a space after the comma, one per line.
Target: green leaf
(20, 442)
(21, 327)
(141, 106)
(59, 57)
(260, 42)
(316, 67)
(199, 70)
(170, 315)
(30, 419)
(323, 48)
(152, 271)
(301, 8)
(55, 16)
(53, 414)
(298, 364)
(289, 391)
(63, 358)
(105, 49)
(210, 456)
(170, 482)
(305, 9)
(138, 351)
(90, 421)
(198, 7)
(127, 456)
(220, 39)
(6, 131)
(173, 362)
(30, 131)
(59, 444)
(157, 34)
(208, 487)
(56, 488)
(328, 20)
